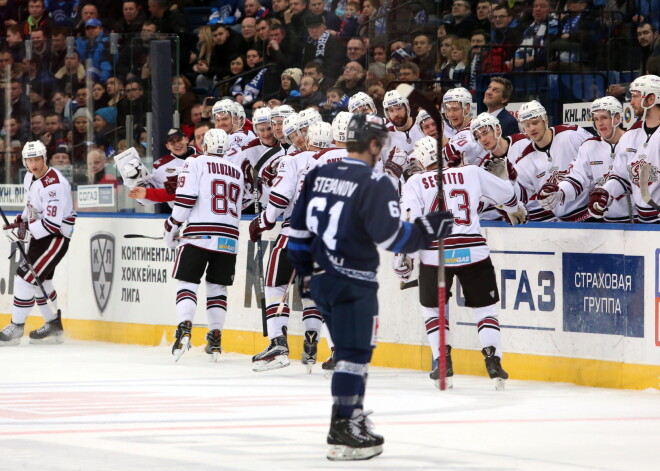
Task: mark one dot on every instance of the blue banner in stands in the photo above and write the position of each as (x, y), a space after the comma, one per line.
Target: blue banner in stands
(603, 294)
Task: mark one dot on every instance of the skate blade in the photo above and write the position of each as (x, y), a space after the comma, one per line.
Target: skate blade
(185, 346)
(280, 361)
(215, 356)
(449, 383)
(309, 367)
(499, 384)
(52, 340)
(328, 374)
(10, 343)
(347, 453)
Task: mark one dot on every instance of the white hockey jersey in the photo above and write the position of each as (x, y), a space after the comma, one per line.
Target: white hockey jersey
(404, 140)
(209, 197)
(240, 139)
(49, 207)
(590, 169)
(635, 147)
(463, 189)
(463, 142)
(167, 168)
(536, 167)
(246, 158)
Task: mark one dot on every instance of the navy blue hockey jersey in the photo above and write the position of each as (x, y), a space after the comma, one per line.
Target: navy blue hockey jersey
(342, 213)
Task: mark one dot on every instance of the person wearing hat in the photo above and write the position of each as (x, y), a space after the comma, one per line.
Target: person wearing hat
(95, 46)
(323, 47)
(290, 80)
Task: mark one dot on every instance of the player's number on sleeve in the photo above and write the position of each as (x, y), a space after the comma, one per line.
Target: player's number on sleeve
(329, 233)
(224, 194)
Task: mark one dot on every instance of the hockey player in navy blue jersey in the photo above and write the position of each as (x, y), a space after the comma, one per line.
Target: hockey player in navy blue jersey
(344, 211)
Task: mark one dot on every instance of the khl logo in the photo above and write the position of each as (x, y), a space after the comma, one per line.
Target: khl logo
(102, 246)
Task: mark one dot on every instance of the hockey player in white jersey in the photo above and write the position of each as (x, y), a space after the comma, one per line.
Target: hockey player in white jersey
(403, 132)
(467, 256)
(362, 103)
(283, 147)
(209, 198)
(290, 175)
(337, 151)
(547, 160)
(637, 160)
(593, 164)
(45, 225)
(456, 109)
(229, 116)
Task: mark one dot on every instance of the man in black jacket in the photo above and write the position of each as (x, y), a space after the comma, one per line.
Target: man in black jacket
(324, 48)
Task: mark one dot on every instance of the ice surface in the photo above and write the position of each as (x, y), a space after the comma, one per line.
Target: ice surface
(96, 406)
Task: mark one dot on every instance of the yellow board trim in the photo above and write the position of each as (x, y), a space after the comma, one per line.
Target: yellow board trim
(598, 373)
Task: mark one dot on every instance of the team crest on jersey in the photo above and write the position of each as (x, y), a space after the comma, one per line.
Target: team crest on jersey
(52, 194)
(556, 175)
(633, 172)
(102, 255)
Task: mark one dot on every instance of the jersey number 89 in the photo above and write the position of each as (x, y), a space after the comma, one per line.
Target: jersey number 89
(223, 194)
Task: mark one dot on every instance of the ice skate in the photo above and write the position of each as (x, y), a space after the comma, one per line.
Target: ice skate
(309, 349)
(11, 335)
(181, 339)
(50, 333)
(362, 418)
(494, 368)
(213, 340)
(275, 356)
(349, 440)
(329, 364)
(435, 373)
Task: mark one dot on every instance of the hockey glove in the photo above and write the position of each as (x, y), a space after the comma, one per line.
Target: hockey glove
(519, 216)
(435, 225)
(599, 200)
(497, 167)
(270, 171)
(17, 231)
(171, 235)
(550, 195)
(133, 173)
(403, 266)
(258, 225)
(246, 167)
(395, 161)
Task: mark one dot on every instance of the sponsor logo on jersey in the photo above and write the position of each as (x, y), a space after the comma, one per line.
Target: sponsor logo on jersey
(226, 245)
(596, 162)
(458, 256)
(102, 252)
(171, 170)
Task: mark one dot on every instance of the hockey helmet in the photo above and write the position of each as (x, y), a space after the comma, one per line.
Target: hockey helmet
(290, 126)
(319, 135)
(339, 125)
(239, 116)
(422, 116)
(646, 85)
(34, 149)
(261, 115)
(458, 95)
(607, 103)
(223, 106)
(359, 100)
(362, 128)
(281, 111)
(394, 98)
(486, 120)
(426, 150)
(530, 110)
(308, 117)
(216, 142)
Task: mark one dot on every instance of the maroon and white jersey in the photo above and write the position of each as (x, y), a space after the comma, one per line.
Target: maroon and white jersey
(286, 187)
(327, 156)
(166, 169)
(464, 143)
(589, 170)
(240, 139)
(447, 131)
(404, 140)
(246, 158)
(635, 147)
(209, 197)
(49, 208)
(537, 166)
(464, 188)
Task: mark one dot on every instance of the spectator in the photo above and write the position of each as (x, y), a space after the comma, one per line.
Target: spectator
(249, 31)
(310, 95)
(19, 102)
(14, 130)
(478, 48)
(95, 46)
(184, 98)
(462, 21)
(313, 69)
(200, 129)
(237, 66)
(134, 103)
(253, 9)
(114, 87)
(99, 96)
(37, 125)
(323, 47)
(40, 51)
(261, 82)
(132, 18)
(373, 15)
(96, 168)
(532, 53)
(577, 44)
(54, 135)
(279, 47)
(279, 7)
(58, 49)
(61, 157)
(81, 134)
(503, 34)
(89, 11)
(444, 57)
(496, 98)
(15, 44)
(408, 72)
(483, 11)
(227, 43)
(352, 81)
(425, 56)
(349, 23)
(72, 76)
(335, 101)
(295, 21)
(195, 119)
(263, 28)
(205, 46)
(81, 96)
(289, 81)
(62, 104)
(172, 21)
(40, 93)
(38, 18)
(105, 121)
(376, 71)
(317, 7)
(379, 54)
(133, 59)
(460, 52)
(356, 51)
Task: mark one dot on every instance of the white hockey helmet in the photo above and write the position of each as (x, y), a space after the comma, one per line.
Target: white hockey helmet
(457, 95)
(422, 116)
(359, 100)
(319, 135)
(339, 125)
(34, 149)
(239, 115)
(394, 98)
(426, 150)
(281, 111)
(530, 110)
(223, 106)
(486, 120)
(646, 85)
(308, 117)
(261, 116)
(290, 126)
(216, 142)
(607, 103)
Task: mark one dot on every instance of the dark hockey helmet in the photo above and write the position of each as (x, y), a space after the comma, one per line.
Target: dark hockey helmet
(362, 128)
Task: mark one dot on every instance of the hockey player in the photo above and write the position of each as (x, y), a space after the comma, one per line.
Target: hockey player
(467, 256)
(403, 132)
(277, 117)
(457, 110)
(344, 211)
(547, 160)
(591, 167)
(361, 103)
(45, 225)
(336, 152)
(487, 132)
(637, 159)
(209, 198)
(284, 192)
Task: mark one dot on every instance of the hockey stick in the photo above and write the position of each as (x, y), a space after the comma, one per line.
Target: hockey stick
(27, 263)
(644, 178)
(409, 284)
(260, 257)
(142, 236)
(409, 92)
(280, 308)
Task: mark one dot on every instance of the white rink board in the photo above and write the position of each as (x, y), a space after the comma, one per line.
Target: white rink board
(529, 262)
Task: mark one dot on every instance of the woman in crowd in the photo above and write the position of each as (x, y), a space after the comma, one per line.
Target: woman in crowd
(184, 98)
(289, 80)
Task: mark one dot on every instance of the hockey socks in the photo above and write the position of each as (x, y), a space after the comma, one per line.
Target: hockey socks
(186, 300)
(23, 300)
(488, 327)
(45, 309)
(432, 332)
(349, 380)
(216, 305)
(275, 323)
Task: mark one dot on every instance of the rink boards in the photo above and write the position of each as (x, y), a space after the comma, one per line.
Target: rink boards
(578, 304)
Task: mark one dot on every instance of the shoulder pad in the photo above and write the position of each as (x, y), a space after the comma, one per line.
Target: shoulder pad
(163, 160)
(637, 125)
(252, 143)
(50, 178)
(528, 150)
(595, 138)
(513, 138)
(565, 127)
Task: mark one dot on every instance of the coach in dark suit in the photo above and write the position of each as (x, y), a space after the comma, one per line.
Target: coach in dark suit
(496, 98)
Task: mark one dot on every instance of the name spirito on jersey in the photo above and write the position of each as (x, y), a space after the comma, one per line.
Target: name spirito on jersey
(222, 169)
(335, 186)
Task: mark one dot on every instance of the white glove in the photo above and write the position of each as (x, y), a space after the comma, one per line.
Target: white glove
(550, 196)
(413, 166)
(171, 235)
(403, 266)
(18, 231)
(395, 162)
(519, 216)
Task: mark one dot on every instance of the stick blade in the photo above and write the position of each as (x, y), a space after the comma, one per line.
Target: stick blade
(405, 89)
